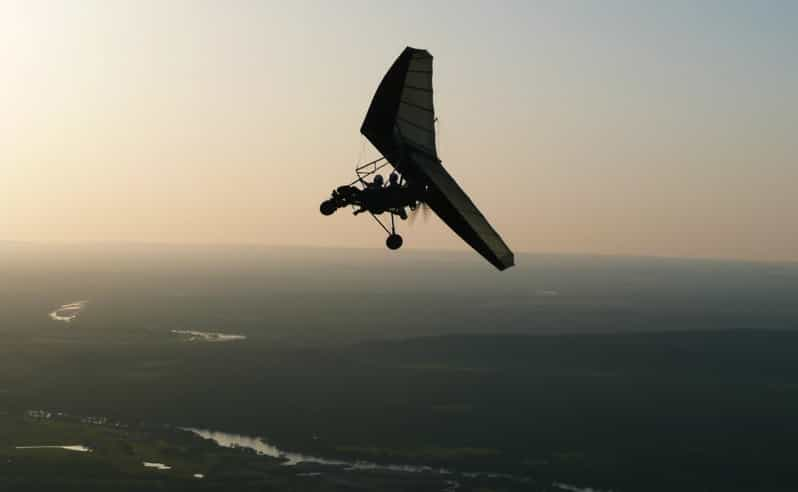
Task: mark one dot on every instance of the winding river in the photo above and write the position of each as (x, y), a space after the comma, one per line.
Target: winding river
(262, 447)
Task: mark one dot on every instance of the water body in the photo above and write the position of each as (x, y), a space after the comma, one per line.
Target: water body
(68, 312)
(573, 488)
(207, 336)
(71, 447)
(262, 447)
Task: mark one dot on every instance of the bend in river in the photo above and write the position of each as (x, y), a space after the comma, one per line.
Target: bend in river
(68, 312)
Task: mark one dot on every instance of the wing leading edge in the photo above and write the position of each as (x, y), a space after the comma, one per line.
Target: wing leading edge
(400, 124)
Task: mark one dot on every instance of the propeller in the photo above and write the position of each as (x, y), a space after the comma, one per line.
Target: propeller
(424, 208)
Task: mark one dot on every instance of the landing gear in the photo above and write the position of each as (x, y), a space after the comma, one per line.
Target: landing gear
(328, 207)
(394, 241)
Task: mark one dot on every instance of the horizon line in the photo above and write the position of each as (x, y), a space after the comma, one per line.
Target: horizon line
(90, 242)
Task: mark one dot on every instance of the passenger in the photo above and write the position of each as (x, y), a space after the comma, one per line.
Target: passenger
(377, 183)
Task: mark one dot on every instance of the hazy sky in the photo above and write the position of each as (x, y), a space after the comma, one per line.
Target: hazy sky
(655, 128)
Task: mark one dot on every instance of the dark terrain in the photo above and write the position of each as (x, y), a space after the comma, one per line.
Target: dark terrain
(611, 373)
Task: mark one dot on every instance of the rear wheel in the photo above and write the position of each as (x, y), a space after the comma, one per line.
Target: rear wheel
(394, 241)
(328, 207)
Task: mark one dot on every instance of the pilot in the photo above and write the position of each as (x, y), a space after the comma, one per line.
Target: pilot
(393, 180)
(377, 183)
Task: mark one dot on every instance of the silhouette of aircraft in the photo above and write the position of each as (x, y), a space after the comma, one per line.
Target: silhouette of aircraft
(400, 123)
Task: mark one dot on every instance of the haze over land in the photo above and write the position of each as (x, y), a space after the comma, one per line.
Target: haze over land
(344, 295)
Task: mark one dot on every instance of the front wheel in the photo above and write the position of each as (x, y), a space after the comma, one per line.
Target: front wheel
(394, 241)
(328, 207)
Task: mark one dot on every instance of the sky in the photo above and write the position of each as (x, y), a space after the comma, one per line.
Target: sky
(603, 127)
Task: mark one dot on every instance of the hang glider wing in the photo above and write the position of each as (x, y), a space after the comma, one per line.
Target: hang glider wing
(400, 123)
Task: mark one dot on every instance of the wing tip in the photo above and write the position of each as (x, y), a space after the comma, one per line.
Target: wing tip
(505, 262)
(417, 51)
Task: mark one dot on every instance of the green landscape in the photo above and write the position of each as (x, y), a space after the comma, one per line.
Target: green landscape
(672, 390)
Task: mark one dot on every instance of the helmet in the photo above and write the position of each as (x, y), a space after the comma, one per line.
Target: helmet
(378, 179)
